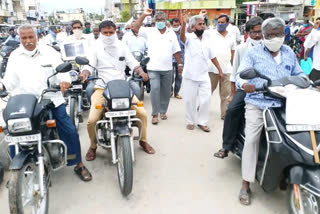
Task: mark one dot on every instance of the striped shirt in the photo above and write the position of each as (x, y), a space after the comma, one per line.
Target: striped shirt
(261, 60)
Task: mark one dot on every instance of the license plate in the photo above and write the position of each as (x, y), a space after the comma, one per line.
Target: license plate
(120, 113)
(25, 138)
(301, 128)
(76, 87)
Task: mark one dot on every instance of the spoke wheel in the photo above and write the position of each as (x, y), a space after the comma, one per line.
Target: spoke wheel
(24, 191)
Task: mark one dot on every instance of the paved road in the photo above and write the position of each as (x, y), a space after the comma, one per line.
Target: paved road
(182, 177)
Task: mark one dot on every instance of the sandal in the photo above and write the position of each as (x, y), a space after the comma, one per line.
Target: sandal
(83, 173)
(155, 120)
(178, 96)
(146, 147)
(245, 196)
(163, 116)
(190, 126)
(222, 153)
(91, 154)
(204, 128)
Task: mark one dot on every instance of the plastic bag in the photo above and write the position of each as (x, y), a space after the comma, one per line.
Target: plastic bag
(306, 66)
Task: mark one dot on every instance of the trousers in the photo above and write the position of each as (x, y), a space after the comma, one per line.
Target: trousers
(96, 114)
(160, 82)
(176, 80)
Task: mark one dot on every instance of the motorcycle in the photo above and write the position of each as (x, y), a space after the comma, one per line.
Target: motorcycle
(5, 52)
(115, 131)
(137, 79)
(34, 147)
(296, 45)
(286, 154)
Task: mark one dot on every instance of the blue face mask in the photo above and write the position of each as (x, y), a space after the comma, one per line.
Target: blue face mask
(305, 25)
(160, 25)
(318, 29)
(221, 27)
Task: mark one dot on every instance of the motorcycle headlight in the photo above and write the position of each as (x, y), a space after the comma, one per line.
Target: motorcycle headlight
(120, 103)
(73, 76)
(3, 54)
(19, 125)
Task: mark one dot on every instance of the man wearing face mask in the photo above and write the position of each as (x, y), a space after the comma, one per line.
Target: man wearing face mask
(224, 45)
(12, 36)
(162, 44)
(235, 111)
(110, 57)
(77, 32)
(176, 78)
(51, 38)
(196, 81)
(274, 60)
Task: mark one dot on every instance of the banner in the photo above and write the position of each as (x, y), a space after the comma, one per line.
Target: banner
(251, 10)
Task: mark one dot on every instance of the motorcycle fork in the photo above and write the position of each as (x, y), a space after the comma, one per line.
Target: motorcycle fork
(41, 169)
(113, 143)
(79, 103)
(297, 197)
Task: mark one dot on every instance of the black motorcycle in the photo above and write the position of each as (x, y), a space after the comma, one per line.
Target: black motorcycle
(34, 147)
(286, 155)
(115, 130)
(296, 45)
(5, 52)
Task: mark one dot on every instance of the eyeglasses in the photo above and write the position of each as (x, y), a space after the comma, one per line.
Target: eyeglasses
(256, 33)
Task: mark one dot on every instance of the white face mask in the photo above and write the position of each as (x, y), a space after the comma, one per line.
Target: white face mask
(176, 29)
(274, 44)
(108, 40)
(254, 42)
(30, 53)
(77, 33)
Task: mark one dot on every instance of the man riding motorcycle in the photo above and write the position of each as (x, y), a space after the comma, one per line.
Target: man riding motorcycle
(110, 57)
(29, 66)
(274, 60)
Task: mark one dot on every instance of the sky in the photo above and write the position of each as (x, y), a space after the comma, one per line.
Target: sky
(87, 5)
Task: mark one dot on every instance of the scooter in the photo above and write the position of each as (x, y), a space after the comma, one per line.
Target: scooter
(115, 130)
(5, 52)
(286, 151)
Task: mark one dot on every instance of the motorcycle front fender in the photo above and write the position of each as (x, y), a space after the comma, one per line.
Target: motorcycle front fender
(122, 129)
(307, 177)
(19, 159)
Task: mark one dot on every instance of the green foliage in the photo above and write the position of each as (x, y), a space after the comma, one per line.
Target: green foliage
(125, 16)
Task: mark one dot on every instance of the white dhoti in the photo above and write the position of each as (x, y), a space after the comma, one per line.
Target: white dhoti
(196, 93)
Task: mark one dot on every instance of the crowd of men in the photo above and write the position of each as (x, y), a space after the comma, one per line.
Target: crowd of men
(183, 54)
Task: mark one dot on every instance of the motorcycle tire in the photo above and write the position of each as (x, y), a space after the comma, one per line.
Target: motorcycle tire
(16, 190)
(2, 69)
(124, 164)
(310, 201)
(74, 112)
(1, 172)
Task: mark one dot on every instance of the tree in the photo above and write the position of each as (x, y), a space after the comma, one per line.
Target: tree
(125, 16)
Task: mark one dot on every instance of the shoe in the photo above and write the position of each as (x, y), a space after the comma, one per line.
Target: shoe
(204, 128)
(190, 126)
(91, 154)
(83, 173)
(171, 94)
(147, 148)
(163, 116)
(155, 120)
(178, 96)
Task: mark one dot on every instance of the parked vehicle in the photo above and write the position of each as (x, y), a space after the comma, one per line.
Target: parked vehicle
(286, 155)
(296, 45)
(5, 52)
(142, 86)
(114, 130)
(35, 149)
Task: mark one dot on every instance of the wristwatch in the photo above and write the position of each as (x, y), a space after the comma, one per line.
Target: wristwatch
(180, 64)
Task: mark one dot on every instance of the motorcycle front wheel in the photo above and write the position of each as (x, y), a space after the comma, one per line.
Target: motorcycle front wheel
(74, 112)
(124, 164)
(24, 191)
(310, 202)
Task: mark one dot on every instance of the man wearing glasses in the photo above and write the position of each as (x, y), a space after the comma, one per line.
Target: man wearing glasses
(235, 111)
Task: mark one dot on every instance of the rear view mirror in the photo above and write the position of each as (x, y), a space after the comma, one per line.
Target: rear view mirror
(64, 67)
(145, 61)
(82, 60)
(248, 74)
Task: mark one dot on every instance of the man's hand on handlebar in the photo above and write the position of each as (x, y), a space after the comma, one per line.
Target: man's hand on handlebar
(64, 86)
(248, 88)
(84, 75)
(141, 73)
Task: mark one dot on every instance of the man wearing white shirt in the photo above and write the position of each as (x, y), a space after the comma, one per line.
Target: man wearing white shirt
(196, 82)
(234, 30)
(162, 44)
(313, 40)
(29, 66)
(224, 45)
(110, 57)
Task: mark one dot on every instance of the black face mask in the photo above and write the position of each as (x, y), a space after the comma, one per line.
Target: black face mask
(199, 32)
